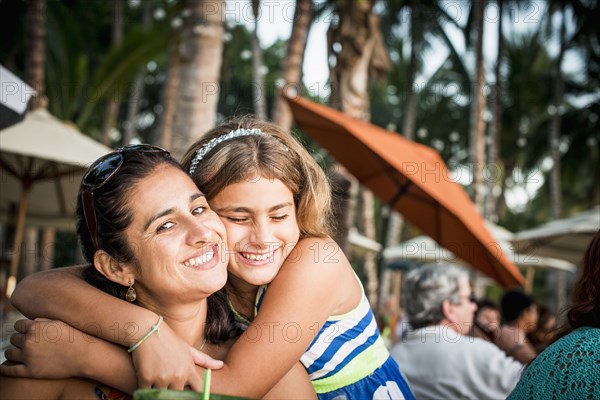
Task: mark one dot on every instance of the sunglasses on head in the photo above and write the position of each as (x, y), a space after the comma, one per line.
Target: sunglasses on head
(100, 172)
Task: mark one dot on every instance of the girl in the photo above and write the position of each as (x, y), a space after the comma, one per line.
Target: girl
(270, 194)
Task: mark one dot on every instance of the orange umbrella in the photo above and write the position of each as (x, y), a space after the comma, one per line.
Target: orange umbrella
(411, 178)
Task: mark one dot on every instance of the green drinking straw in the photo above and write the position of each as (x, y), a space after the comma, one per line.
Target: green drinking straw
(206, 389)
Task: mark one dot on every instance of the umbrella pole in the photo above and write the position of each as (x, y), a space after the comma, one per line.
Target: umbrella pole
(19, 233)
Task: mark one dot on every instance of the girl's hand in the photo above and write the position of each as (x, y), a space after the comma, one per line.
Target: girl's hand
(45, 349)
(166, 361)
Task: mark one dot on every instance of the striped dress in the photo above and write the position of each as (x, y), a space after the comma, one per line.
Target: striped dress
(348, 359)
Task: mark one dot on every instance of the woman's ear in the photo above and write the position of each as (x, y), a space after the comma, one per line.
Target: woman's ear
(112, 269)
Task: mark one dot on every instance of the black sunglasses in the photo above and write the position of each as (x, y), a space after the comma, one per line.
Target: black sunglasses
(100, 172)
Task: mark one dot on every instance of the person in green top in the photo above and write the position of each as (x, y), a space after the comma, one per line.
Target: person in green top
(570, 367)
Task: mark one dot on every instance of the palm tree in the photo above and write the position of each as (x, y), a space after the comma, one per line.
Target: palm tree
(496, 127)
(113, 104)
(477, 129)
(292, 64)
(170, 92)
(133, 107)
(358, 47)
(200, 63)
(36, 53)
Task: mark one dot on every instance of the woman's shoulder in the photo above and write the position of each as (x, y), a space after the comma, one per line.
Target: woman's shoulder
(317, 250)
(318, 259)
(581, 337)
(574, 358)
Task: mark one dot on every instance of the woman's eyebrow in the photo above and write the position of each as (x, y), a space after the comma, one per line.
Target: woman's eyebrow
(169, 211)
(157, 216)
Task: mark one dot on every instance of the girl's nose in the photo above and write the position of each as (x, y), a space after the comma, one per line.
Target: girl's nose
(262, 235)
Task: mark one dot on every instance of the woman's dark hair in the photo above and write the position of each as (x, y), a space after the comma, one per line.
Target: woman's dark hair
(113, 216)
(585, 307)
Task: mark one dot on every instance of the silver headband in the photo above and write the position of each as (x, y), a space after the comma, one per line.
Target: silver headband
(203, 151)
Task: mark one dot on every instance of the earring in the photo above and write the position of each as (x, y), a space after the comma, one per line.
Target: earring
(130, 295)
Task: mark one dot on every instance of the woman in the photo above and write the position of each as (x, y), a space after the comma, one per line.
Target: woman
(270, 193)
(150, 237)
(570, 367)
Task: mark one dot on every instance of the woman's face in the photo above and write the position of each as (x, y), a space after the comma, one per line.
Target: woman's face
(260, 218)
(177, 240)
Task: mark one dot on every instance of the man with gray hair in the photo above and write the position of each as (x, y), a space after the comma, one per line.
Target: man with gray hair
(438, 357)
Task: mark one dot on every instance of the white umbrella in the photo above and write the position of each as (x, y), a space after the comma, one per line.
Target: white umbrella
(14, 98)
(42, 160)
(425, 249)
(360, 244)
(565, 239)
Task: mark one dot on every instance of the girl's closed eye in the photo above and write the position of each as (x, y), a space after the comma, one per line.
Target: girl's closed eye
(279, 217)
(237, 219)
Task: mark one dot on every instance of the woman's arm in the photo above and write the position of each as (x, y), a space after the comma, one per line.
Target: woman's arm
(25, 388)
(62, 294)
(48, 349)
(311, 285)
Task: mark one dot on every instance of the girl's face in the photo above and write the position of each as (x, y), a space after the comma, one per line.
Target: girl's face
(260, 218)
(177, 240)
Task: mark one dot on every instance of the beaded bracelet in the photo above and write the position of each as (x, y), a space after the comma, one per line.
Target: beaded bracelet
(155, 328)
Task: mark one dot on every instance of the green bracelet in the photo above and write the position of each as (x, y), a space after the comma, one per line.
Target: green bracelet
(155, 328)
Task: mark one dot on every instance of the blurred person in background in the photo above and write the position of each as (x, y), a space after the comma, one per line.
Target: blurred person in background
(544, 333)
(570, 367)
(520, 315)
(438, 357)
(487, 320)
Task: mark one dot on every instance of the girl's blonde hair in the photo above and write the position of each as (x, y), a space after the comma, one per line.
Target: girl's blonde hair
(275, 154)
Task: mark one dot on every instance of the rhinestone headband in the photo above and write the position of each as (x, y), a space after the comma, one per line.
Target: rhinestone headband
(203, 151)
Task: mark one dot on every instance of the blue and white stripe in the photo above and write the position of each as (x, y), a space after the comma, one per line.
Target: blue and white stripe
(340, 340)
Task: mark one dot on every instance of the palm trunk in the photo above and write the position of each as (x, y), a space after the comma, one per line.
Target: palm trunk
(133, 108)
(259, 95)
(170, 93)
(555, 129)
(36, 53)
(411, 108)
(47, 249)
(292, 64)
(477, 121)
(501, 203)
(35, 77)
(199, 71)
(490, 209)
(112, 109)
(368, 202)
